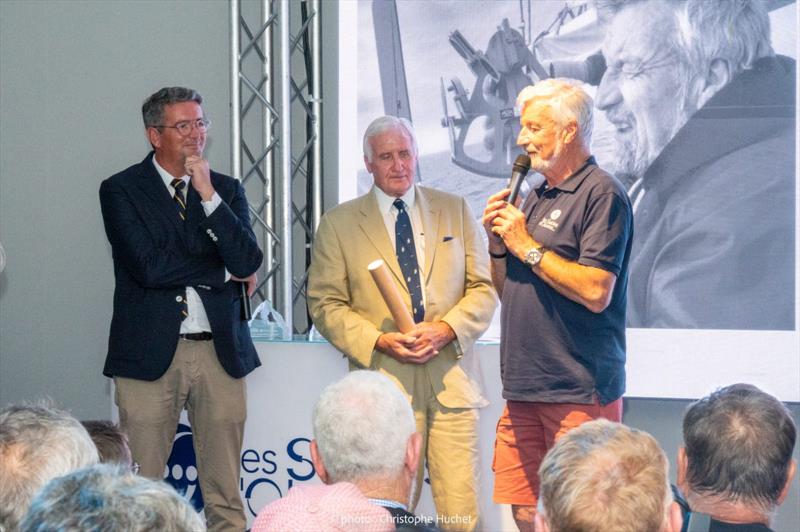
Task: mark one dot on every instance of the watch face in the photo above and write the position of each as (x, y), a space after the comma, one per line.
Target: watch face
(533, 257)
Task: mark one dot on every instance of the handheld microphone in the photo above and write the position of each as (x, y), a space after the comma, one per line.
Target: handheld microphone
(518, 172)
(247, 313)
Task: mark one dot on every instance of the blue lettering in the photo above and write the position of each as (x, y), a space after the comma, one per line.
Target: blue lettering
(290, 450)
(249, 456)
(269, 462)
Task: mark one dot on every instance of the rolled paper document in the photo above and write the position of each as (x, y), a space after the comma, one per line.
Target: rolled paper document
(391, 294)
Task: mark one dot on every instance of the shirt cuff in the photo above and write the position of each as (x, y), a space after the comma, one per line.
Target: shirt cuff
(211, 205)
(227, 275)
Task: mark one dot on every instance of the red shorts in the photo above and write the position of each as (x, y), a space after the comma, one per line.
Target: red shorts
(525, 432)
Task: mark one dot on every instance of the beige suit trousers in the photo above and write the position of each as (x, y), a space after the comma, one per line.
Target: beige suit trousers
(452, 456)
(149, 412)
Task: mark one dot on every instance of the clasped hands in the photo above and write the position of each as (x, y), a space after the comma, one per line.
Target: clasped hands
(419, 345)
(506, 226)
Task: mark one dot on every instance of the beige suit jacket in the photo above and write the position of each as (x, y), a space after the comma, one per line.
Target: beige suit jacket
(348, 310)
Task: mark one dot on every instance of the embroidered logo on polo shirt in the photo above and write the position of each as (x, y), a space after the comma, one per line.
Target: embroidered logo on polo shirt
(550, 222)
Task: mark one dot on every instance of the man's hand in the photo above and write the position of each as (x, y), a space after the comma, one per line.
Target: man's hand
(197, 168)
(509, 224)
(399, 346)
(433, 334)
(251, 281)
(495, 203)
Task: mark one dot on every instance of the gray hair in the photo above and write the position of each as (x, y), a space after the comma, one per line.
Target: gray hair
(111, 442)
(362, 424)
(384, 124)
(738, 444)
(109, 497)
(153, 106)
(605, 476)
(737, 31)
(37, 443)
(568, 101)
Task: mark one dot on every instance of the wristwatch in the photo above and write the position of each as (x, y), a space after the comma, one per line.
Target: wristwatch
(534, 256)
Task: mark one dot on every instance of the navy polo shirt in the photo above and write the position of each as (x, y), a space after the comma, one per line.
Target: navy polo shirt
(554, 350)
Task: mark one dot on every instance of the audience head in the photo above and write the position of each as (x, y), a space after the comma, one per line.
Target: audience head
(37, 443)
(109, 497)
(605, 476)
(364, 429)
(111, 442)
(737, 453)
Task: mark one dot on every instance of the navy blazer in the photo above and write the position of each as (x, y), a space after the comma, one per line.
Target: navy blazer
(156, 255)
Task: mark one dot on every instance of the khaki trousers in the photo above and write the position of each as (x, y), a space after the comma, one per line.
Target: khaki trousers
(450, 448)
(149, 413)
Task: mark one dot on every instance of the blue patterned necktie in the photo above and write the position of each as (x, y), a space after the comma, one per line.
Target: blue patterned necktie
(407, 257)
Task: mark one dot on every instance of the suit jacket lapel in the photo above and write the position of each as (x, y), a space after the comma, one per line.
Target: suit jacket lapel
(430, 225)
(374, 228)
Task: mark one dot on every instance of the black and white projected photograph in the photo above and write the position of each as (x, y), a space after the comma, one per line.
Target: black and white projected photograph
(694, 112)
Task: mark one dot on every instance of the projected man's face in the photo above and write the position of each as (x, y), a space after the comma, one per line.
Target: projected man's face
(645, 89)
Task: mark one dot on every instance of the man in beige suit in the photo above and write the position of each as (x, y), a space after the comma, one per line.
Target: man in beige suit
(450, 295)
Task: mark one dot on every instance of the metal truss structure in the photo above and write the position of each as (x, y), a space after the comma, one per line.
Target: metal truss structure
(276, 146)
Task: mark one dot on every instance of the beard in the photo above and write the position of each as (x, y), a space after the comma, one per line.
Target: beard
(545, 166)
(636, 149)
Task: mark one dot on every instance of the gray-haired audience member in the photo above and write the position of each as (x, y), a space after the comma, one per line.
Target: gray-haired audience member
(37, 443)
(110, 440)
(736, 464)
(109, 498)
(603, 476)
(364, 435)
(700, 104)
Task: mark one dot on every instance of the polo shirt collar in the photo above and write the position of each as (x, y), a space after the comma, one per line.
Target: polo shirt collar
(572, 183)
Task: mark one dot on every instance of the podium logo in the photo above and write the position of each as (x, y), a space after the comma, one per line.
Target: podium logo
(268, 474)
(181, 469)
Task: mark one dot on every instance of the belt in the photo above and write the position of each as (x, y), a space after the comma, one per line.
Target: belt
(197, 337)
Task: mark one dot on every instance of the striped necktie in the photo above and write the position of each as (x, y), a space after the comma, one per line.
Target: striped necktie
(407, 257)
(178, 185)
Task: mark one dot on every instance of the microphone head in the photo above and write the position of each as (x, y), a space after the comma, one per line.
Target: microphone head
(522, 164)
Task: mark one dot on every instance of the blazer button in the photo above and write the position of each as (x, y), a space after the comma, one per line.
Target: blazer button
(208, 231)
(178, 299)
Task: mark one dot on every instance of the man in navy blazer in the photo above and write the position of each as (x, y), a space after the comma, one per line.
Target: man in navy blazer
(181, 242)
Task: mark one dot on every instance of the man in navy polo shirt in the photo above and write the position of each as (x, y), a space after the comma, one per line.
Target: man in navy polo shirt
(560, 265)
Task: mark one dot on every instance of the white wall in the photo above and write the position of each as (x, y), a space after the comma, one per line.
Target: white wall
(73, 76)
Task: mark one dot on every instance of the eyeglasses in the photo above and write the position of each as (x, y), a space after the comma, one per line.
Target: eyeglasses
(185, 128)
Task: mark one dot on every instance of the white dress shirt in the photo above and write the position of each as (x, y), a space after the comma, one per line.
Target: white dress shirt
(197, 320)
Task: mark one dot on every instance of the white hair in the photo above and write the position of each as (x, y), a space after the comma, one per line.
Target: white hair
(37, 443)
(568, 101)
(736, 31)
(362, 424)
(109, 497)
(388, 123)
(605, 476)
